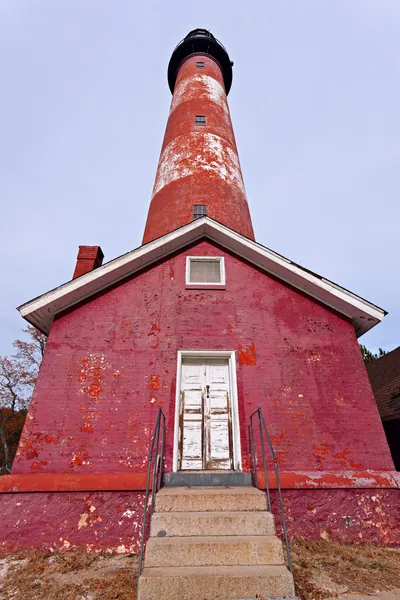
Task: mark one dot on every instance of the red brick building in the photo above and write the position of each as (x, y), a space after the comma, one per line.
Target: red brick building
(384, 375)
(199, 319)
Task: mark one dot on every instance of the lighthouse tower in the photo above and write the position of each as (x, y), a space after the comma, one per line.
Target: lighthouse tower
(199, 171)
(203, 325)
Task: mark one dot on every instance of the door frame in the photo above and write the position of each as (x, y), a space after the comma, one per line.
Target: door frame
(231, 356)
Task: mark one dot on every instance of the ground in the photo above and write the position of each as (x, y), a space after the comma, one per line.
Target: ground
(68, 576)
(326, 569)
(322, 570)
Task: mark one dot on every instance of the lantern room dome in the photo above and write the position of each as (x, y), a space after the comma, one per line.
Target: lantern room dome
(200, 41)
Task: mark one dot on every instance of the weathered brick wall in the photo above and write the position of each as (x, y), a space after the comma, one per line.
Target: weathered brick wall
(110, 364)
(113, 520)
(349, 516)
(66, 520)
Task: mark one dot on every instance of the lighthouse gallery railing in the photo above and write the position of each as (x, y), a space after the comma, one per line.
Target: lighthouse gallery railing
(155, 463)
(264, 435)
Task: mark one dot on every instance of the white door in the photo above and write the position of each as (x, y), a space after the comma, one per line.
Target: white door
(205, 423)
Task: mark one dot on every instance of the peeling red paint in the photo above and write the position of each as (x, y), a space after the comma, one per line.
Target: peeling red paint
(53, 482)
(87, 428)
(154, 383)
(127, 330)
(38, 464)
(79, 459)
(154, 329)
(322, 451)
(118, 374)
(33, 453)
(347, 516)
(90, 516)
(91, 367)
(338, 400)
(247, 355)
(112, 520)
(332, 480)
(97, 521)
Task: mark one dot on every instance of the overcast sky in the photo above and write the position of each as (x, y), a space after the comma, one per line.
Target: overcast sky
(315, 104)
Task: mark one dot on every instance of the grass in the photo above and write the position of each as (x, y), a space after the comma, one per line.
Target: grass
(75, 575)
(359, 569)
(322, 569)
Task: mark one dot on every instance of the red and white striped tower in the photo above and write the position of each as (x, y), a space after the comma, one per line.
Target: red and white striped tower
(199, 163)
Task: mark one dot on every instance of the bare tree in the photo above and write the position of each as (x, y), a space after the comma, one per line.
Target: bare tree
(18, 374)
(30, 353)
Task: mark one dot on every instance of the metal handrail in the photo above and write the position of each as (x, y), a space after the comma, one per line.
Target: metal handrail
(157, 448)
(263, 429)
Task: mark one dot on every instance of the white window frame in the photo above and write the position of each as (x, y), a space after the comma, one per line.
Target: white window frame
(231, 356)
(195, 284)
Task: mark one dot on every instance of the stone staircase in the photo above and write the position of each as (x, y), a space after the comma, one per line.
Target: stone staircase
(213, 542)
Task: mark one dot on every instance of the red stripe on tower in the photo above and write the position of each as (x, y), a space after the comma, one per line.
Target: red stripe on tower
(199, 164)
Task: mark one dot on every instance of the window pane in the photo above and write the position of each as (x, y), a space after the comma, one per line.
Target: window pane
(205, 271)
(199, 210)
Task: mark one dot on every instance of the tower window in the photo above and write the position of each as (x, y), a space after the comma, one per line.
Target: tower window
(199, 210)
(200, 120)
(200, 64)
(205, 271)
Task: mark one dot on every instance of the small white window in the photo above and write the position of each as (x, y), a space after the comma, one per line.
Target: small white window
(205, 271)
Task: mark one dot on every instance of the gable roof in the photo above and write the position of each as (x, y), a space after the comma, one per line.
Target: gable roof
(384, 376)
(40, 311)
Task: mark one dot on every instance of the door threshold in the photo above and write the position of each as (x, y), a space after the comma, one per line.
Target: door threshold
(207, 478)
(208, 471)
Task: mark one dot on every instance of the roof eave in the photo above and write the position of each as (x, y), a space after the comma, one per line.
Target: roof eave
(41, 311)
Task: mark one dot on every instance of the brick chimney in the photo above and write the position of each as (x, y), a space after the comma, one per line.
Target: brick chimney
(88, 259)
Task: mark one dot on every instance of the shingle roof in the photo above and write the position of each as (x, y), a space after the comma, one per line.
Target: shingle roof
(384, 375)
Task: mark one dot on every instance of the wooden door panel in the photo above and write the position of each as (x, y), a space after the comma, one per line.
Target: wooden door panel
(218, 403)
(220, 448)
(191, 415)
(192, 374)
(217, 417)
(218, 372)
(192, 446)
(193, 401)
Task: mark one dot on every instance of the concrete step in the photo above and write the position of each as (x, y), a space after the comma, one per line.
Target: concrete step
(211, 583)
(213, 551)
(207, 478)
(181, 524)
(184, 499)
